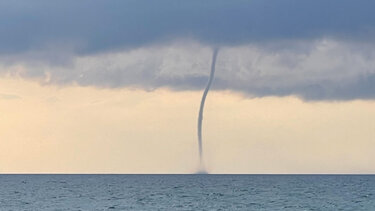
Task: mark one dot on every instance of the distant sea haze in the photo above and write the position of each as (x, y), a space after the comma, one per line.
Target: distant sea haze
(187, 192)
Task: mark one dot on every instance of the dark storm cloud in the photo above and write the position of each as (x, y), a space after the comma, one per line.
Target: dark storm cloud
(92, 26)
(317, 50)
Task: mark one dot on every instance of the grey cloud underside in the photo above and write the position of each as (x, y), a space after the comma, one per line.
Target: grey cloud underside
(90, 26)
(361, 88)
(318, 70)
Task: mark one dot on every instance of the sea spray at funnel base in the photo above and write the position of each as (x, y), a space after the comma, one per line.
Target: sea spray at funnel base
(200, 116)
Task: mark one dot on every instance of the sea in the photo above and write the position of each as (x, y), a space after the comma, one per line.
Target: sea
(187, 192)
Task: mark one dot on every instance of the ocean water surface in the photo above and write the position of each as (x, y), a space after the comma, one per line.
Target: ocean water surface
(187, 192)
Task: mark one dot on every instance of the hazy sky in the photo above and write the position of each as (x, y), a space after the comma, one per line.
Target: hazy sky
(114, 86)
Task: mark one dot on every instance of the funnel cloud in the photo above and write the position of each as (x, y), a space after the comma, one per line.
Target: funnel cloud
(201, 108)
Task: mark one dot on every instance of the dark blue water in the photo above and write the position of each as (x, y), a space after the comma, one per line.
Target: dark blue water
(187, 192)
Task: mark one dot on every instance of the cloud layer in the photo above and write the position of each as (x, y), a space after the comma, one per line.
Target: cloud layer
(317, 50)
(94, 26)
